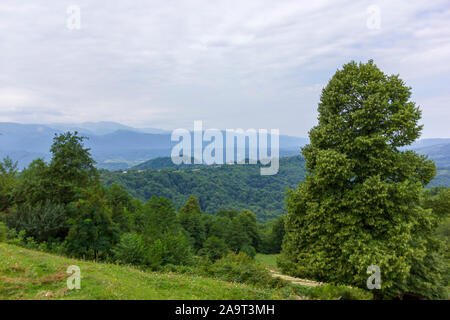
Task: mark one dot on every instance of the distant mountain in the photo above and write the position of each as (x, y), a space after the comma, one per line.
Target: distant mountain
(161, 163)
(428, 142)
(440, 153)
(101, 128)
(117, 147)
(114, 146)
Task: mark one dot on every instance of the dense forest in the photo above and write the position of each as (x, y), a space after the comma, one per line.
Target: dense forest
(216, 187)
(221, 187)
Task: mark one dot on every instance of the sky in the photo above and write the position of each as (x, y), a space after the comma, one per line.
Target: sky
(232, 64)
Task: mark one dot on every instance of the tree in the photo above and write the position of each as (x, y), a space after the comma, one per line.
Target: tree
(214, 248)
(159, 217)
(237, 238)
(247, 220)
(360, 203)
(35, 185)
(120, 203)
(71, 166)
(92, 233)
(8, 171)
(130, 249)
(191, 220)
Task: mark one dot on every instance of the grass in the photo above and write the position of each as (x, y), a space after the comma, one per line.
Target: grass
(27, 274)
(268, 260)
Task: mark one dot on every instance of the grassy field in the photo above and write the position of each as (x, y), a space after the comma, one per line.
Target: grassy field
(27, 274)
(269, 260)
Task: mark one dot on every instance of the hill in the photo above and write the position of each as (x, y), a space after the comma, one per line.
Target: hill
(221, 187)
(27, 274)
(440, 153)
(217, 187)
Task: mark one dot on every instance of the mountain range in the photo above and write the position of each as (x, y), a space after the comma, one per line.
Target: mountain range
(117, 147)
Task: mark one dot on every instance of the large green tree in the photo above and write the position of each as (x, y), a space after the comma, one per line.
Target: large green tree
(360, 203)
(92, 233)
(72, 166)
(191, 220)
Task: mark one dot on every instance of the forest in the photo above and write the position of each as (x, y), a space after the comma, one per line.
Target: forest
(221, 187)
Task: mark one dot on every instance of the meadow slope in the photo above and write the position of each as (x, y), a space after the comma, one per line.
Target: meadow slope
(27, 274)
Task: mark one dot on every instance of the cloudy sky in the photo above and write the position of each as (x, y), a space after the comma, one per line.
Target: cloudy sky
(232, 64)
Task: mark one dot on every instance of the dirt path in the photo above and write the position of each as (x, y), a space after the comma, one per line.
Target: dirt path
(303, 282)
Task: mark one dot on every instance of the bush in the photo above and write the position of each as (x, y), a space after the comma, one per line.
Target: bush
(130, 249)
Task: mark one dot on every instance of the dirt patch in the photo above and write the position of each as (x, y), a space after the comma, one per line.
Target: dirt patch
(52, 278)
(17, 268)
(293, 280)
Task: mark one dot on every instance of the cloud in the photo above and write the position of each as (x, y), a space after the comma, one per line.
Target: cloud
(255, 63)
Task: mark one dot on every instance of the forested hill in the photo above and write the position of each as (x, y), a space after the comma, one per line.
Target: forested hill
(221, 187)
(216, 187)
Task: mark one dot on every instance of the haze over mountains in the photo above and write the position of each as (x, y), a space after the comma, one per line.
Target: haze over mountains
(116, 147)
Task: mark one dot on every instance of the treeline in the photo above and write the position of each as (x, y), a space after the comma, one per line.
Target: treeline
(63, 207)
(216, 187)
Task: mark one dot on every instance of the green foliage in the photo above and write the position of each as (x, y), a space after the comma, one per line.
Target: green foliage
(242, 269)
(247, 220)
(360, 203)
(92, 233)
(332, 292)
(272, 235)
(216, 187)
(214, 248)
(8, 171)
(121, 204)
(35, 185)
(171, 248)
(40, 221)
(72, 166)
(3, 232)
(130, 249)
(191, 220)
(158, 217)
